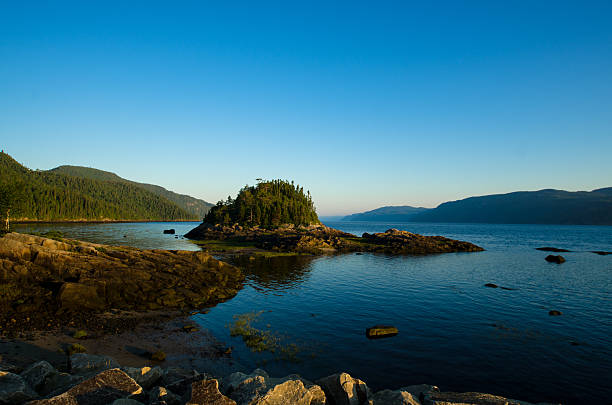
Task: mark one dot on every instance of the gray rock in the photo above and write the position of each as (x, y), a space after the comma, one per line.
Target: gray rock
(13, 389)
(82, 363)
(146, 377)
(419, 391)
(343, 389)
(162, 395)
(60, 383)
(388, 397)
(232, 381)
(101, 389)
(206, 392)
(179, 380)
(38, 374)
(452, 398)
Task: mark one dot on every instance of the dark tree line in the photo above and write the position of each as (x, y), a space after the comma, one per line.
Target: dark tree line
(268, 204)
(48, 196)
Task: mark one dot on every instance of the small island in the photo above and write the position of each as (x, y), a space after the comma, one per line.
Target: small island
(277, 216)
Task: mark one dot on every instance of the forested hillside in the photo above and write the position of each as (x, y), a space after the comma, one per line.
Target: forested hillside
(269, 204)
(403, 213)
(198, 208)
(50, 196)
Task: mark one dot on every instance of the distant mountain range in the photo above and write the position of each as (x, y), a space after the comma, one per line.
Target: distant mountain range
(73, 193)
(522, 207)
(403, 213)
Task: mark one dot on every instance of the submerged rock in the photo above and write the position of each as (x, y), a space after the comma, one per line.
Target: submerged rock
(552, 249)
(555, 313)
(555, 259)
(491, 285)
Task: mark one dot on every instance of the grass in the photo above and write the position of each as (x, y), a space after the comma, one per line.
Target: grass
(55, 235)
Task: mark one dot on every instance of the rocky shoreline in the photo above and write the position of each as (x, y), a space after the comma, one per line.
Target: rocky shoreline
(47, 284)
(100, 380)
(320, 239)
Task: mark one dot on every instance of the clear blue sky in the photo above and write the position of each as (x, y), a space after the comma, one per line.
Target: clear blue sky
(363, 103)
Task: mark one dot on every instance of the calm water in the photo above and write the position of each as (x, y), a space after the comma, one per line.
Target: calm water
(454, 332)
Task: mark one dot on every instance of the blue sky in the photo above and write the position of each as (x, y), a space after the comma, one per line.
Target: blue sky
(363, 103)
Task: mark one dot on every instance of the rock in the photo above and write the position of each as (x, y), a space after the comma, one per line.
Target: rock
(76, 348)
(13, 389)
(463, 398)
(388, 397)
(158, 356)
(258, 388)
(601, 252)
(80, 334)
(551, 249)
(343, 389)
(179, 380)
(60, 383)
(206, 392)
(101, 389)
(146, 377)
(88, 363)
(125, 401)
(38, 375)
(555, 259)
(78, 296)
(161, 394)
(555, 313)
(293, 392)
(380, 331)
(169, 231)
(491, 285)
(419, 391)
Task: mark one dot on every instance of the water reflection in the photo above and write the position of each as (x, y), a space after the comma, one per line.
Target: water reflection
(274, 274)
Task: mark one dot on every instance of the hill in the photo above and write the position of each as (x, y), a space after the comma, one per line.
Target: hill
(269, 204)
(198, 208)
(53, 196)
(528, 207)
(403, 213)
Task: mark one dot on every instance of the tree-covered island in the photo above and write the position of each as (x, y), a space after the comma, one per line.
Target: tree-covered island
(277, 216)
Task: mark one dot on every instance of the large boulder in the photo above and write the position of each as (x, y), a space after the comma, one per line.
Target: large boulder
(83, 364)
(39, 374)
(14, 389)
(206, 392)
(258, 388)
(343, 389)
(101, 389)
(146, 377)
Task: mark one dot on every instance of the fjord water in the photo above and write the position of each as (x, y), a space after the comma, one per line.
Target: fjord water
(453, 331)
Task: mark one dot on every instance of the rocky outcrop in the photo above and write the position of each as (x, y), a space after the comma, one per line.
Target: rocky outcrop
(318, 239)
(42, 279)
(342, 389)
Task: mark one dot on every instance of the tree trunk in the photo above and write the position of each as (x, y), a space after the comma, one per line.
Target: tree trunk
(8, 223)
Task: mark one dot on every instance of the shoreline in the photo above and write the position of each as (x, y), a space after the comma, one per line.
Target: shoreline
(110, 221)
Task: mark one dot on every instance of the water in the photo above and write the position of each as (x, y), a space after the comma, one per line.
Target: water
(454, 332)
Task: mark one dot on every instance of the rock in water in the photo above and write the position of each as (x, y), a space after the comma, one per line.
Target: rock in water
(13, 389)
(551, 249)
(206, 392)
(555, 313)
(555, 259)
(343, 389)
(169, 231)
(491, 285)
(381, 331)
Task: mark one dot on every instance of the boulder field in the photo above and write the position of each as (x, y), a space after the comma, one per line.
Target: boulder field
(43, 280)
(100, 380)
(317, 239)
